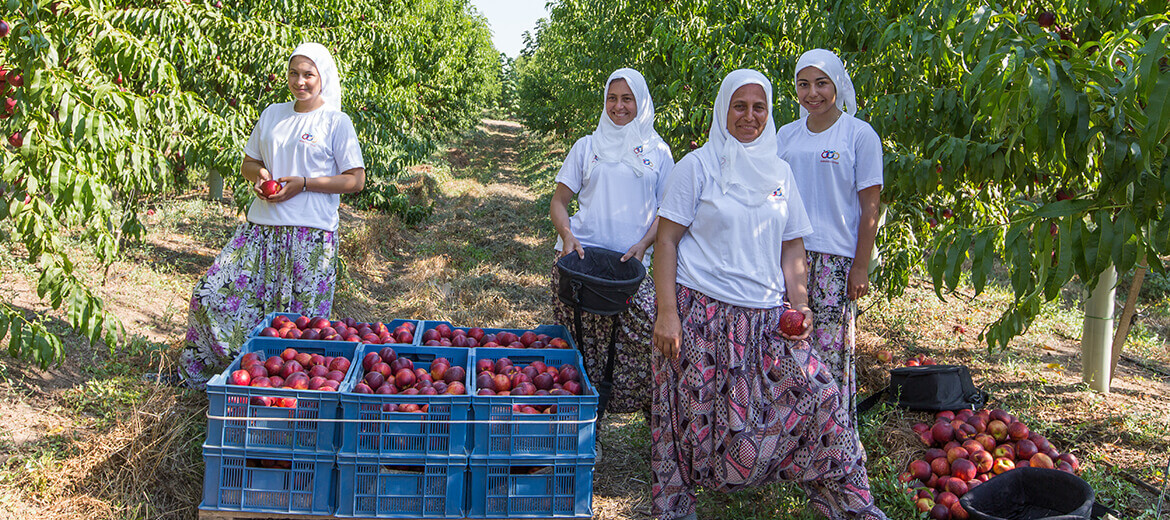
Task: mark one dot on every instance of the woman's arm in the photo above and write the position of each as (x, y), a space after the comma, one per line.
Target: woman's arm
(795, 267)
(639, 250)
(254, 170)
(870, 200)
(667, 327)
(348, 181)
(558, 211)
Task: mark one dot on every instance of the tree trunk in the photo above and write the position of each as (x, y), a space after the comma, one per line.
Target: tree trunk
(1098, 331)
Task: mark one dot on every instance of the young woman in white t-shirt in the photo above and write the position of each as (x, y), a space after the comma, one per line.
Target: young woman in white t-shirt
(837, 162)
(738, 403)
(618, 174)
(284, 257)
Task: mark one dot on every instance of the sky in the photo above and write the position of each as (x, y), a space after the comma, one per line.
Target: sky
(509, 19)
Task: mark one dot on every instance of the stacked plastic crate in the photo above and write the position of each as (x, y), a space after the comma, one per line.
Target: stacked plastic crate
(532, 456)
(404, 454)
(272, 450)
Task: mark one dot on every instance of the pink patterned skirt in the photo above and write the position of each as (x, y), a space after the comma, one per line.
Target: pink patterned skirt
(741, 407)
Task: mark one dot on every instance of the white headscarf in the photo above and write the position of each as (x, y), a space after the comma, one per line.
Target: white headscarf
(832, 66)
(326, 68)
(632, 142)
(749, 172)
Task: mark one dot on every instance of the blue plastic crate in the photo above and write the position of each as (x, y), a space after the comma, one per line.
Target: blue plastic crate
(555, 331)
(401, 487)
(554, 487)
(442, 430)
(267, 482)
(310, 426)
(393, 324)
(498, 429)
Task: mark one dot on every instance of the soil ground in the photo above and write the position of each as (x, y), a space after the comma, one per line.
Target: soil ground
(94, 438)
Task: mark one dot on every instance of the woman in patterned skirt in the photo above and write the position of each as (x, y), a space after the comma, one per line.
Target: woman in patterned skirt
(736, 402)
(618, 174)
(837, 162)
(284, 257)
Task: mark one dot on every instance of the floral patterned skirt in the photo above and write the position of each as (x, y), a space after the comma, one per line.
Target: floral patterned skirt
(743, 406)
(262, 269)
(631, 371)
(833, 329)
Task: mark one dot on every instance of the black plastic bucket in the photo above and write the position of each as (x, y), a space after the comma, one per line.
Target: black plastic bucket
(1030, 494)
(600, 283)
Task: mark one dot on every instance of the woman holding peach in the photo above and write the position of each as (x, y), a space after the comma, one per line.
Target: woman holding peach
(736, 402)
(284, 257)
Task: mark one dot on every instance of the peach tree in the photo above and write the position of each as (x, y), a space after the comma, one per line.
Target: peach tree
(110, 101)
(1017, 135)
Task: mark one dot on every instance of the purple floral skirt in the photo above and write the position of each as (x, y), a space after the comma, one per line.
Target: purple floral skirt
(262, 269)
(833, 331)
(742, 406)
(631, 372)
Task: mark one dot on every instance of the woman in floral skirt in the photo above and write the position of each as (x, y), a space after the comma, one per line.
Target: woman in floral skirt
(837, 162)
(618, 174)
(284, 257)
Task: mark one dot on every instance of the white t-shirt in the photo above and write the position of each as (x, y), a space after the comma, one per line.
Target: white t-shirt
(731, 251)
(616, 207)
(830, 167)
(321, 143)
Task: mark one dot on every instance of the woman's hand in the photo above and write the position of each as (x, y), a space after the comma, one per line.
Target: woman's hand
(858, 284)
(667, 334)
(262, 176)
(807, 324)
(570, 244)
(637, 251)
(290, 187)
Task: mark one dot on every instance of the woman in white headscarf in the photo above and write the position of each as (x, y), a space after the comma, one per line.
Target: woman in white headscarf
(618, 174)
(737, 402)
(284, 257)
(837, 162)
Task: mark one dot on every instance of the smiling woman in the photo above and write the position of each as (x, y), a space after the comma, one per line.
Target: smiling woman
(738, 402)
(618, 175)
(283, 257)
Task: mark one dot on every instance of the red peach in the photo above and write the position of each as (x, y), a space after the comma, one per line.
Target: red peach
(1071, 460)
(1002, 465)
(942, 432)
(964, 470)
(920, 470)
(983, 461)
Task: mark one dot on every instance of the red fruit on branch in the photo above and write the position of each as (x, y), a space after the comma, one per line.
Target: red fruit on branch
(4, 28)
(118, 80)
(16, 79)
(16, 140)
(1046, 19)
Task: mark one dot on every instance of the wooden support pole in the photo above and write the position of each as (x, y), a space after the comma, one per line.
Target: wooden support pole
(1126, 318)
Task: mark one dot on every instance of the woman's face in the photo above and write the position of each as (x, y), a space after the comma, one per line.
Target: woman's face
(747, 115)
(303, 80)
(619, 102)
(816, 92)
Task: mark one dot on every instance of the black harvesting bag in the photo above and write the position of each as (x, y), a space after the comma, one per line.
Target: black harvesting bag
(599, 284)
(931, 388)
(1030, 494)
